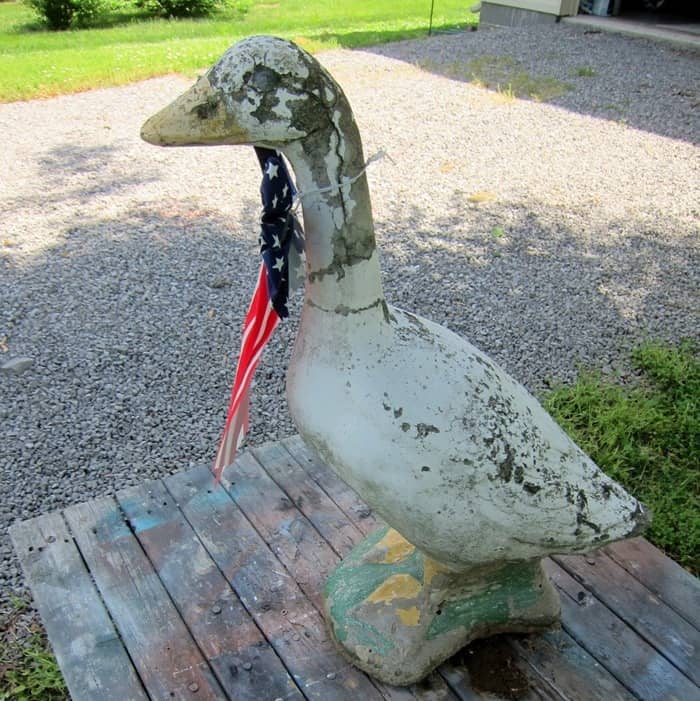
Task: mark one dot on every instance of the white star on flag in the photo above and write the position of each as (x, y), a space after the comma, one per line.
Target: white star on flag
(271, 170)
(276, 241)
(279, 264)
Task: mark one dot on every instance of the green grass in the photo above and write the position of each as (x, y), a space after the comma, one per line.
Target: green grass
(131, 46)
(585, 72)
(28, 669)
(507, 76)
(35, 676)
(646, 435)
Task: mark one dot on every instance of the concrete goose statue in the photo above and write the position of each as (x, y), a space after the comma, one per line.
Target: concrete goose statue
(476, 480)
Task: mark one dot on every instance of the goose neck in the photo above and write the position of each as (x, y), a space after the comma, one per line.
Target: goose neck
(342, 267)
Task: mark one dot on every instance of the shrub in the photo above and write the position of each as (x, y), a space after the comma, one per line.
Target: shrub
(183, 8)
(61, 14)
(58, 14)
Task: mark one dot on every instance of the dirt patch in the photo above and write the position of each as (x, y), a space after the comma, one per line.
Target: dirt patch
(494, 667)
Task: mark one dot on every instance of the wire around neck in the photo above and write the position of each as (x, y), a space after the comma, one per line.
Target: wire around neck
(344, 182)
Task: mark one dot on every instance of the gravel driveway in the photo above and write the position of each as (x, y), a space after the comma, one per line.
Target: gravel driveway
(551, 234)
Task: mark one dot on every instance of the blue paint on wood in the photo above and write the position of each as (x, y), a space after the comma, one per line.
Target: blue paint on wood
(74, 610)
(140, 518)
(144, 522)
(242, 488)
(207, 499)
(111, 527)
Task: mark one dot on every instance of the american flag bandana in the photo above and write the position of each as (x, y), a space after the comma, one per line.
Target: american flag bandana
(281, 238)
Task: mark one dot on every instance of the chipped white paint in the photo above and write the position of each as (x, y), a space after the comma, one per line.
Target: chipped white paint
(283, 110)
(336, 122)
(350, 203)
(448, 448)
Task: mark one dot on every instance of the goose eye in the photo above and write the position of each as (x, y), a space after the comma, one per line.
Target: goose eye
(265, 79)
(206, 109)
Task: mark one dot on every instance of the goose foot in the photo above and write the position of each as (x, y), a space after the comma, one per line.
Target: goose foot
(397, 614)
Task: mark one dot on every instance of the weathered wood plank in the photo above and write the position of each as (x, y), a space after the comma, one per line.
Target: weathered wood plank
(632, 615)
(432, 688)
(568, 668)
(291, 624)
(347, 499)
(457, 673)
(167, 659)
(92, 658)
(338, 532)
(365, 521)
(291, 537)
(325, 515)
(607, 638)
(657, 623)
(286, 530)
(666, 578)
(245, 665)
(457, 676)
(285, 473)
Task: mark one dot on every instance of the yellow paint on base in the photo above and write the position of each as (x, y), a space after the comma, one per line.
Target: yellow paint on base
(430, 569)
(410, 616)
(398, 586)
(396, 546)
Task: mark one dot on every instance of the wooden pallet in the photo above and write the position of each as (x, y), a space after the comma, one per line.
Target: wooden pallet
(178, 590)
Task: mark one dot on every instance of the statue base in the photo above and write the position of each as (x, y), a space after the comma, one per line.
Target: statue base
(397, 614)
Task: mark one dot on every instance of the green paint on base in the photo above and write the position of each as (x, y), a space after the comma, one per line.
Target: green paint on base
(501, 595)
(446, 612)
(353, 580)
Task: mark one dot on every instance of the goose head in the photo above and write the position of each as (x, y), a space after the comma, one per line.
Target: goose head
(267, 91)
(263, 90)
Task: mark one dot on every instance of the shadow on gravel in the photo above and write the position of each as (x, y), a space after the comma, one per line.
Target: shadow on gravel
(73, 171)
(652, 86)
(140, 318)
(536, 296)
(76, 158)
(134, 326)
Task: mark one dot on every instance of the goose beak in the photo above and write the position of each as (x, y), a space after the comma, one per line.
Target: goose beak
(196, 118)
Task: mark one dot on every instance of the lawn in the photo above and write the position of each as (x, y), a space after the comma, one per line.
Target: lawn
(646, 435)
(130, 46)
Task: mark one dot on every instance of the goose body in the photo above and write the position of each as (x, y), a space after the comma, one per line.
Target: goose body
(449, 449)
(474, 477)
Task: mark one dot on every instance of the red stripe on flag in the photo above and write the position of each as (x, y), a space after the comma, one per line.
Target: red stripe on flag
(260, 322)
